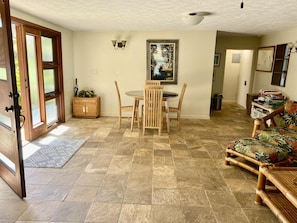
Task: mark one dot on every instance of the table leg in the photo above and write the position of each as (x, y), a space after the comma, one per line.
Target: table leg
(167, 114)
(135, 113)
(260, 186)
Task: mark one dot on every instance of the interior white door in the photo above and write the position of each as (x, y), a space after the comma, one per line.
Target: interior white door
(237, 76)
(244, 76)
(231, 76)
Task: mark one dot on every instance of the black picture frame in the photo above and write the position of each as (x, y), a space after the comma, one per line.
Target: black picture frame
(162, 60)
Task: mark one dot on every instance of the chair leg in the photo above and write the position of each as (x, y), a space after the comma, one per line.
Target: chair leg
(120, 119)
(178, 120)
(143, 126)
(160, 126)
(226, 161)
(168, 122)
(132, 123)
(167, 116)
(120, 122)
(135, 116)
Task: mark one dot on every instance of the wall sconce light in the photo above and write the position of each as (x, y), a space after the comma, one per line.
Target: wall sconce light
(293, 47)
(119, 44)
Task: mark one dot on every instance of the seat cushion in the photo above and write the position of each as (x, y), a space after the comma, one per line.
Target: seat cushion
(281, 137)
(261, 151)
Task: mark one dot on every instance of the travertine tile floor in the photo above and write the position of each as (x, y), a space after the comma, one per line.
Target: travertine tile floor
(122, 176)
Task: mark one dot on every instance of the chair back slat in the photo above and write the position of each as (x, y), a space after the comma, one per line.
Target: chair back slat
(152, 82)
(118, 93)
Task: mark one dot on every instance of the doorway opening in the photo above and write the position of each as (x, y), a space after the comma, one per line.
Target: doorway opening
(237, 76)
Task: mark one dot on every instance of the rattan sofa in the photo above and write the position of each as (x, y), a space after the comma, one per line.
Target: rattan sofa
(273, 141)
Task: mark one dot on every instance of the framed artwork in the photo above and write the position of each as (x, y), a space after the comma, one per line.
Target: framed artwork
(265, 59)
(162, 60)
(217, 58)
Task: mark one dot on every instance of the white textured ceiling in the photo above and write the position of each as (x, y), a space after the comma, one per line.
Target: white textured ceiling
(258, 17)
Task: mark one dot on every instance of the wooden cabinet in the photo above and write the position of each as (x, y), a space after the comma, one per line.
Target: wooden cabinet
(249, 99)
(280, 66)
(86, 107)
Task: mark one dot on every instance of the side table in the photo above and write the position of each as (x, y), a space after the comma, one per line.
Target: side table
(282, 200)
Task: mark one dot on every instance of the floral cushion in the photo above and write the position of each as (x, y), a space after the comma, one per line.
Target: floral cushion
(282, 137)
(290, 115)
(261, 151)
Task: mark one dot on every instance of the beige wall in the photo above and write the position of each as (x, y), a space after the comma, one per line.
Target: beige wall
(97, 65)
(67, 56)
(262, 80)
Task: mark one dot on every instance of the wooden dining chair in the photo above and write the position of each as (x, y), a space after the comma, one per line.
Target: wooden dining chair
(152, 108)
(177, 109)
(152, 82)
(125, 109)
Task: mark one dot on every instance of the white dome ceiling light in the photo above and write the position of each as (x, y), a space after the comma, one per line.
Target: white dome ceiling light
(194, 18)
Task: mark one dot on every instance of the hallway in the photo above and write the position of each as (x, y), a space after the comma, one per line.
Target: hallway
(122, 176)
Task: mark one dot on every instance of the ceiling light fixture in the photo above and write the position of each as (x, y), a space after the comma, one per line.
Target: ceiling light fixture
(192, 18)
(293, 47)
(119, 44)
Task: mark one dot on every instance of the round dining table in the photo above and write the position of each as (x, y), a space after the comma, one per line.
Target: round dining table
(138, 95)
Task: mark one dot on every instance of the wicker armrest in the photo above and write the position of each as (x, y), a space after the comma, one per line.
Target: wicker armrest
(264, 121)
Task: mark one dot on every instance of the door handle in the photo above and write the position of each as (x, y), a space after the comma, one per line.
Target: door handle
(9, 108)
(22, 120)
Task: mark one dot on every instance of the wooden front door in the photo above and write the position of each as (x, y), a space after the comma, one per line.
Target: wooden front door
(11, 158)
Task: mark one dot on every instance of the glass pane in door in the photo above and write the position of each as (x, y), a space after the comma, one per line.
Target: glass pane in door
(47, 49)
(5, 118)
(49, 81)
(51, 111)
(2, 57)
(7, 162)
(3, 73)
(33, 79)
(16, 59)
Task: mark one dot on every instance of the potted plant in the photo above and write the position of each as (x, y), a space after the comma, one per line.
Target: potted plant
(86, 94)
